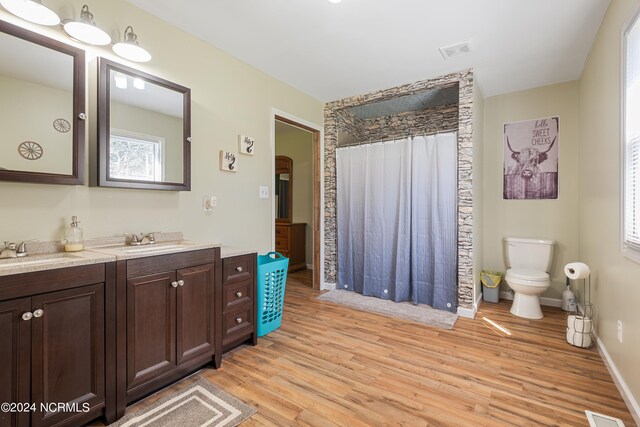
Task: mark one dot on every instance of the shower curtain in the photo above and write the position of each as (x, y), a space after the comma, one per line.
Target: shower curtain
(396, 212)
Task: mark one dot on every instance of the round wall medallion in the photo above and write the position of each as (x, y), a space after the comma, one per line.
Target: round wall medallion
(30, 150)
(61, 125)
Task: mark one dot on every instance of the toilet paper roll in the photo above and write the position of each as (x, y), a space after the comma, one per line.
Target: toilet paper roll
(577, 270)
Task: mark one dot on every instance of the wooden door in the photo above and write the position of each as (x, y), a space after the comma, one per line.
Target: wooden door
(68, 353)
(151, 327)
(194, 313)
(15, 359)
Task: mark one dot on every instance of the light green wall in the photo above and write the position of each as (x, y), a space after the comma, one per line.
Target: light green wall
(615, 278)
(229, 98)
(298, 145)
(28, 111)
(548, 219)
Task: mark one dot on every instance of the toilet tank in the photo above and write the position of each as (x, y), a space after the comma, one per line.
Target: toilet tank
(534, 254)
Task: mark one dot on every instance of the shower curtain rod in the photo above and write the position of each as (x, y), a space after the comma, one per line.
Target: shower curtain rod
(394, 139)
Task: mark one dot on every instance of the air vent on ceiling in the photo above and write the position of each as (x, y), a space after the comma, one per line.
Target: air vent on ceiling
(455, 49)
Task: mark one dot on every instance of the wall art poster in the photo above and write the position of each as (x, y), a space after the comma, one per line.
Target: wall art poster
(228, 161)
(531, 159)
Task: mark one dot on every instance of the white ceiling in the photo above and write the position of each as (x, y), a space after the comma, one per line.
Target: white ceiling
(332, 51)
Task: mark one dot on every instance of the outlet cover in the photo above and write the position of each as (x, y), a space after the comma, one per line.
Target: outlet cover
(619, 330)
(209, 202)
(264, 192)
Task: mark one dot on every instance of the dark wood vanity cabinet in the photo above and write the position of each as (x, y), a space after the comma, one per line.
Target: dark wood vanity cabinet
(239, 301)
(166, 320)
(55, 347)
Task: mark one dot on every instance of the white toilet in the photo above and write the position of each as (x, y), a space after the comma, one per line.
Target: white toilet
(528, 263)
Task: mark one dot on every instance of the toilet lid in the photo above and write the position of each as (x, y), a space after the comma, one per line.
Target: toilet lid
(527, 274)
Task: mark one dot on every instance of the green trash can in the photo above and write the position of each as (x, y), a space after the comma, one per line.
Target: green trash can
(491, 285)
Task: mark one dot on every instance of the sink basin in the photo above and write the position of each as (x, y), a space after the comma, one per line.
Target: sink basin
(36, 260)
(152, 249)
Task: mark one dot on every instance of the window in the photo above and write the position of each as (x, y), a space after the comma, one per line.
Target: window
(631, 142)
(138, 157)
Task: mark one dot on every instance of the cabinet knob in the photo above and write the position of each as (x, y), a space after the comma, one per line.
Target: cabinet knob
(38, 313)
(239, 269)
(238, 319)
(27, 316)
(239, 294)
(180, 282)
(174, 284)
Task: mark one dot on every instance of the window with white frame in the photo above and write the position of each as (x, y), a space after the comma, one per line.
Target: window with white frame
(631, 141)
(136, 157)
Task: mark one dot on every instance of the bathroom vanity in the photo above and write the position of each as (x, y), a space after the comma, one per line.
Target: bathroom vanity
(104, 327)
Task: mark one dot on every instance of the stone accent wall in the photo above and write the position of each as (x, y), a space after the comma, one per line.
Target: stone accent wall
(409, 123)
(337, 117)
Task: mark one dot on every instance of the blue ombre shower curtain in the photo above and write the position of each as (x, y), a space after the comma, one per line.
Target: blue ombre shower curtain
(397, 220)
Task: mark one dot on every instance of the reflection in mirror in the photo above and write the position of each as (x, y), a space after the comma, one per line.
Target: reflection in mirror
(283, 188)
(144, 126)
(42, 91)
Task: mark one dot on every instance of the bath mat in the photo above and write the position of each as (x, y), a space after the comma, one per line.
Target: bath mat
(421, 313)
(199, 404)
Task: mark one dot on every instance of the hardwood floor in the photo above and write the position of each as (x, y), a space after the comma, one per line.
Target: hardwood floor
(330, 365)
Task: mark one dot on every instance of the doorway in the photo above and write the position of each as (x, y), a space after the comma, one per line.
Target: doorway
(297, 194)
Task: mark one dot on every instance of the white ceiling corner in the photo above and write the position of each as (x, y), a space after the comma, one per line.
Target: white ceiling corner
(331, 51)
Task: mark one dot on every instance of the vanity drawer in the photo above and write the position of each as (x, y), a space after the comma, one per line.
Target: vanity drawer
(237, 294)
(236, 324)
(281, 244)
(237, 268)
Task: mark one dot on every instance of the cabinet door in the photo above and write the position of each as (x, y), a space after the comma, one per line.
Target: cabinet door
(195, 313)
(151, 327)
(67, 352)
(15, 359)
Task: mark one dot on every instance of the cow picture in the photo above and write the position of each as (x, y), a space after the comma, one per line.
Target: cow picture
(531, 159)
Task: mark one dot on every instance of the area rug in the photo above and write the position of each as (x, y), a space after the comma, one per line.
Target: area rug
(200, 404)
(421, 313)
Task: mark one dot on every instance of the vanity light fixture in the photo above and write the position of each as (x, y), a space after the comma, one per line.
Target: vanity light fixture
(32, 11)
(138, 83)
(121, 80)
(130, 48)
(85, 30)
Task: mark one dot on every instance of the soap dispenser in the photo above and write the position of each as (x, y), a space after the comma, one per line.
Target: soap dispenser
(73, 236)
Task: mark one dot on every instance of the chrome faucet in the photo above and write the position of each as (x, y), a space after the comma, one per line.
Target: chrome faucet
(144, 239)
(11, 251)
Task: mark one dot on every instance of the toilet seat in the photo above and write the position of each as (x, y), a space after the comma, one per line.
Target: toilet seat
(527, 274)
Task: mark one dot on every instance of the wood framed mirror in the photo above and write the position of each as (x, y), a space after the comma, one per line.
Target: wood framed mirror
(144, 130)
(42, 82)
(284, 189)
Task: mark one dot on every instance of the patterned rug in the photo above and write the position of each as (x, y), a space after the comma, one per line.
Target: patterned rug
(421, 313)
(200, 404)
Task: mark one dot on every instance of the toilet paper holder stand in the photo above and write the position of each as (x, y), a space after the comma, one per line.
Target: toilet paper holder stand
(580, 322)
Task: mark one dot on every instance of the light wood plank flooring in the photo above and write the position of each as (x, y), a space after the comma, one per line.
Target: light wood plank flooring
(330, 365)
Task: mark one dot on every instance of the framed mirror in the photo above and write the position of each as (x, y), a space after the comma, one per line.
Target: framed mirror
(284, 188)
(144, 130)
(42, 105)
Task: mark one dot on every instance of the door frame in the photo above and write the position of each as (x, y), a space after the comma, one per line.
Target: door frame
(317, 132)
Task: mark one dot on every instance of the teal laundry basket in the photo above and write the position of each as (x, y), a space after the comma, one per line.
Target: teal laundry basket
(272, 278)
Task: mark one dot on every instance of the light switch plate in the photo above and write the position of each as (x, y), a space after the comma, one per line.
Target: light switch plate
(264, 192)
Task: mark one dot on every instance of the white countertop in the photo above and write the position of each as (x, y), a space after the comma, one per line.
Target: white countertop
(124, 252)
(51, 261)
(229, 251)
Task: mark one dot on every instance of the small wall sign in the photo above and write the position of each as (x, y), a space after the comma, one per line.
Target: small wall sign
(228, 161)
(246, 144)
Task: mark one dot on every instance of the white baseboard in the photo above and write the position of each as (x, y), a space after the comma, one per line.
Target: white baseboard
(628, 398)
(309, 266)
(469, 313)
(327, 286)
(549, 302)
